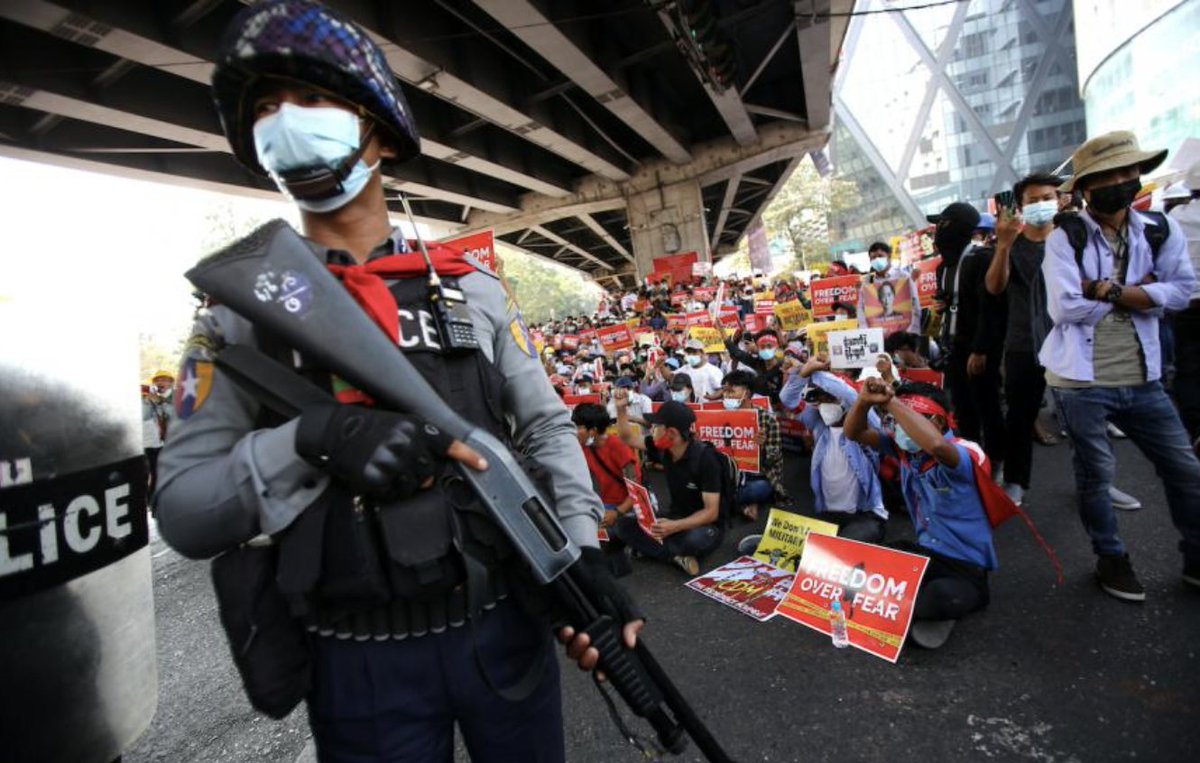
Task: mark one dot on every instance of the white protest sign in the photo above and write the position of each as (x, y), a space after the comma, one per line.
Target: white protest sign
(856, 348)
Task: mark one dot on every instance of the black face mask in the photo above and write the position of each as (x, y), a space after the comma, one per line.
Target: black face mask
(950, 243)
(1113, 198)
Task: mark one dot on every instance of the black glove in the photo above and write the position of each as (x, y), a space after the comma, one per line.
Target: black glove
(594, 576)
(378, 453)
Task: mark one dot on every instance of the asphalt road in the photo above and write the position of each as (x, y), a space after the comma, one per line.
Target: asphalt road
(1046, 673)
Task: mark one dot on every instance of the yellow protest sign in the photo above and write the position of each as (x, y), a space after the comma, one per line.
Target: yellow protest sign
(818, 333)
(783, 538)
(792, 315)
(645, 339)
(710, 336)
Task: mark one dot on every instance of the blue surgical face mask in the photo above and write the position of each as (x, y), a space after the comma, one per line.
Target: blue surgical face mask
(298, 136)
(904, 441)
(695, 360)
(879, 264)
(679, 395)
(732, 403)
(767, 354)
(1039, 212)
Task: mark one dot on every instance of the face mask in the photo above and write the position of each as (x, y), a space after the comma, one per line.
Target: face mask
(679, 395)
(879, 264)
(296, 137)
(1113, 198)
(951, 243)
(768, 354)
(695, 360)
(904, 441)
(590, 442)
(831, 413)
(663, 443)
(732, 403)
(1039, 212)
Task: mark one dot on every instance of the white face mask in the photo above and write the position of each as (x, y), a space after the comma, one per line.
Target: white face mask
(296, 137)
(732, 403)
(695, 360)
(1039, 212)
(831, 413)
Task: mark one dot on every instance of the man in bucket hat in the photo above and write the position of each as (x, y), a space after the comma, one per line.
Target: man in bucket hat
(1106, 292)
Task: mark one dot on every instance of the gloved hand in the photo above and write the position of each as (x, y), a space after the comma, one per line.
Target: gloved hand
(378, 453)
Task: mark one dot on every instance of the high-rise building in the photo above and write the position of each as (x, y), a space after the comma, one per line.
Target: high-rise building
(950, 102)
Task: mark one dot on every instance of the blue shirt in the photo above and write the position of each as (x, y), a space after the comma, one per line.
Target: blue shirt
(945, 506)
(1067, 350)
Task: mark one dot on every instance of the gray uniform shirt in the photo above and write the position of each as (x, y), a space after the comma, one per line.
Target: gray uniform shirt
(222, 482)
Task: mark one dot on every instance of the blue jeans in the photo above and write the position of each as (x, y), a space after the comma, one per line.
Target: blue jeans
(1146, 414)
(398, 701)
(757, 490)
(698, 542)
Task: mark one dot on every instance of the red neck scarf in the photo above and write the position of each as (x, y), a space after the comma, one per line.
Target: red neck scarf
(367, 284)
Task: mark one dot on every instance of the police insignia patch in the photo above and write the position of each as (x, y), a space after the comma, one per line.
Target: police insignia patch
(520, 335)
(193, 385)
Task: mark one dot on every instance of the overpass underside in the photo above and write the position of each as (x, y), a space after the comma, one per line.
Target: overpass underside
(597, 134)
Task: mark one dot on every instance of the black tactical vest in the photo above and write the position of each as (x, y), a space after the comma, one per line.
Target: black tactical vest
(352, 567)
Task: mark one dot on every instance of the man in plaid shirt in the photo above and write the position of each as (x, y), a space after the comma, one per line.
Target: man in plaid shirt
(768, 484)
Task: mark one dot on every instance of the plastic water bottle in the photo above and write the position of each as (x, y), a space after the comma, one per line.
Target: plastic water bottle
(837, 625)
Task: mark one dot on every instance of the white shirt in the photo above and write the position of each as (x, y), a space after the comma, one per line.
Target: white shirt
(705, 379)
(837, 477)
(639, 406)
(1188, 217)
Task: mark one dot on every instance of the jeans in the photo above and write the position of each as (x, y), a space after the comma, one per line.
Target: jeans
(399, 700)
(757, 490)
(698, 541)
(1146, 415)
(1187, 369)
(1024, 385)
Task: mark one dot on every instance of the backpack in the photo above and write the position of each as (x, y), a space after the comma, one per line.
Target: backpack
(729, 479)
(1040, 322)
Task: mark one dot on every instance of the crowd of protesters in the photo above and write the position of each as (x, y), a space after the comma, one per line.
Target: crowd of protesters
(1072, 287)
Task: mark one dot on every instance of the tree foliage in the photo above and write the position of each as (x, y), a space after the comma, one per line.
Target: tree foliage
(546, 292)
(800, 212)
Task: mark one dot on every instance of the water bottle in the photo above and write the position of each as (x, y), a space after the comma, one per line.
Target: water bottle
(837, 625)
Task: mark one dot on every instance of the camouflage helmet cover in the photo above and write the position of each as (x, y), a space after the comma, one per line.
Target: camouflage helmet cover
(304, 42)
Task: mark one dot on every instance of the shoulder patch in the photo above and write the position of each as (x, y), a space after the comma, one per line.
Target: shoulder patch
(194, 383)
(520, 335)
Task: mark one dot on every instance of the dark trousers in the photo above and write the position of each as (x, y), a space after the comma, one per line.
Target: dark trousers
(1024, 386)
(698, 541)
(393, 701)
(950, 588)
(976, 401)
(152, 471)
(1187, 369)
(861, 526)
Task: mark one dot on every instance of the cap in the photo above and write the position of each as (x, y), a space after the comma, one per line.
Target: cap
(585, 378)
(959, 214)
(624, 382)
(674, 416)
(694, 344)
(673, 363)
(681, 381)
(986, 222)
(1111, 151)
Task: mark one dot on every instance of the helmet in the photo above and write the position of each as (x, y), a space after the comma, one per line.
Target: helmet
(307, 43)
(160, 373)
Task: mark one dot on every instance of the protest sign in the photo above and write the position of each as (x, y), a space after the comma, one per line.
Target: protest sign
(817, 332)
(710, 336)
(925, 271)
(734, 433)
(926, 375)
(703, 293)
(587, 336)
(480, 247)
(678, 298)
(676, 321)
(643, 507)
(641, 306)
(678, 265)
(877, 587)
(646, 338)
(570, 341)
(764, 303)
(729, 317)
(889, 305)
(654, 355)
(792, 315)
(602, 534)
(573, 400)
(914, 245)
(699, 318)
(701, 269)
(825, 292)
(614, 338)
(751, 587)
(783, 538)
(857, 348)
(658, 278)
(754, 322)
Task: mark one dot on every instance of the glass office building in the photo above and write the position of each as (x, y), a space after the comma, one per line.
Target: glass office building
(951, 102)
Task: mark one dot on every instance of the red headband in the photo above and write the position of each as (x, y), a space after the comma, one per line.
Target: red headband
(925, 406)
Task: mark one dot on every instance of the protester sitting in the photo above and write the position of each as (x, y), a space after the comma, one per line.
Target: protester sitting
(610, 462)
(767, 485)
(639, 405)
(938, 478)
(705, 377)
(691, 529)
(682, 390)
(766, 362)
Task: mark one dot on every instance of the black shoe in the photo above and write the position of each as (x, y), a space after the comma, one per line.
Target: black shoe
(1115, 573)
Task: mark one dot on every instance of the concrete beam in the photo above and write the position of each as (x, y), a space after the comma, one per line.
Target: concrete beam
(599, 230)
(815, 74)
(731, 188)
(783, 178)
(529, 24)
(552, 236)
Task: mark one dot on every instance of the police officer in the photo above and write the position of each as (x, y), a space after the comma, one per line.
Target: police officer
(417, 610)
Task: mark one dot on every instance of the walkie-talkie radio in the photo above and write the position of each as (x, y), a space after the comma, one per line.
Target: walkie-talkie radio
(456, 330)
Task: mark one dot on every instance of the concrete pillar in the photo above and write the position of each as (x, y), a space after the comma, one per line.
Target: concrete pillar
(666, 220)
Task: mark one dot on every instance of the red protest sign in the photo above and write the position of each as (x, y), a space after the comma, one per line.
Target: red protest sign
(877, 587)
(658, 277)
(734, 433)
(703, 293)
(570, 341)
(827, 291)
(678, 298)
(676, 321)
(754, 322)
(573, 400)
(927, 375)
(643, 506)
(699, 318)
(729, 317)
(614, 338)
(480, 246)
(751, 587)
(587, 336)
(925, 271)
(765, 306)
(678, 265)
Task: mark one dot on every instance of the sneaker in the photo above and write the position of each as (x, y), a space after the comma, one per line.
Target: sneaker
(1114, 432)
(746, 546)
(931, 634)
(688, 564)
(1116, 576)
(1122, 500)
(1015, 492)
(1191, 575)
